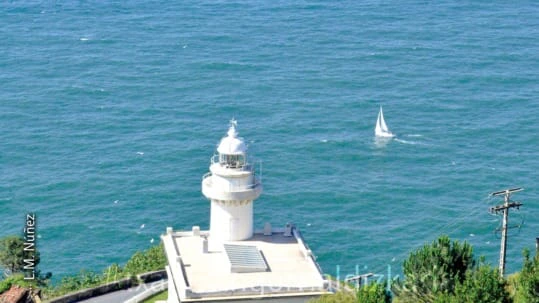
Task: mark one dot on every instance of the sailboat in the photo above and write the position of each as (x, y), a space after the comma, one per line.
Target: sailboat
(381, 129)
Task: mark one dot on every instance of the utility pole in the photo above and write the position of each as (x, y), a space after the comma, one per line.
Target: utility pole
(505, 209)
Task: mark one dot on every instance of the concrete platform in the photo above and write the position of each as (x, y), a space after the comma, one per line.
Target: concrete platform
(198, 276)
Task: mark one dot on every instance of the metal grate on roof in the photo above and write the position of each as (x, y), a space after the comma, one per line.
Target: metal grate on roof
(245, 258)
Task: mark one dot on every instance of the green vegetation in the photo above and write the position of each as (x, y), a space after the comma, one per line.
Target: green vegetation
(373, 293)
(444, 271)
(12, 254)
(481, 285)
(16, 279)
(162, 296)
(339, 297)
(435, 269)
(84, 279)
(526, 283)
(151, 259)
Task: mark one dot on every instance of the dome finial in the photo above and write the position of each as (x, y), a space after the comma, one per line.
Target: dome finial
(232, 132)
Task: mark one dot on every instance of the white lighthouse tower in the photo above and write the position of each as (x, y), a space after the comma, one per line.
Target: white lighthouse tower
(231, 186)
(233, 261)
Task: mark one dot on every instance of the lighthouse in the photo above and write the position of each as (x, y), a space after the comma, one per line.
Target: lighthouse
(235, 260)
(231, 186)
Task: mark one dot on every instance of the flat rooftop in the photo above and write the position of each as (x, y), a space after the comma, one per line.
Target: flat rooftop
(291, 268)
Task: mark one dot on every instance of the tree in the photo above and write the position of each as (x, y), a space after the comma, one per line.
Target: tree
(435, 269)
(482, 285)
(12, 255)
(373, 293)
(527, 283)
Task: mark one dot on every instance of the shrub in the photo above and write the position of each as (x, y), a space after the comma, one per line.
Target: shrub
(373, 293)
(434, 269)
(16, 279)
(482, 285)
(149, 260)
(526, 284)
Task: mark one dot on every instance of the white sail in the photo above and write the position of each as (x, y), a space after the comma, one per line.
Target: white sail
(378, 127)
(383, 124)
(381, 129)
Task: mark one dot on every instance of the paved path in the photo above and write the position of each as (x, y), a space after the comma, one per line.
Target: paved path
(121, 295)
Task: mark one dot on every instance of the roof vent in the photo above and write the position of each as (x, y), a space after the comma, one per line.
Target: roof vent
(267, 229)
(196, 231)
(245, 258)
(205, 245)
(288, 230)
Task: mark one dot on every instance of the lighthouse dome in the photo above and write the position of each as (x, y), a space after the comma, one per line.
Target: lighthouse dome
(232, 144)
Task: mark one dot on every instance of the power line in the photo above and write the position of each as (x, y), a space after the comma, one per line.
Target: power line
(505, 209)
(448, 228)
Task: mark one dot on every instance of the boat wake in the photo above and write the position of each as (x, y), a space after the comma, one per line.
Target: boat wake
(409, 142)
(405, 141)
(381, 142)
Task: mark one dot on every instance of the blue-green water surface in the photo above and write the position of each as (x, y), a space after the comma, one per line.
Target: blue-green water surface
(111, 110)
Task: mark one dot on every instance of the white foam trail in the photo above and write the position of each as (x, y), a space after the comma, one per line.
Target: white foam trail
(380, 142)
(140, 153)
(414, 135)
(151, 241)
(405, 141)
(142, 226)
(84, 39)
(324, 140)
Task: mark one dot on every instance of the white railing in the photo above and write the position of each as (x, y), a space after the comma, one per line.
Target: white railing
(231, 187)
(245, 166)
(150, 291)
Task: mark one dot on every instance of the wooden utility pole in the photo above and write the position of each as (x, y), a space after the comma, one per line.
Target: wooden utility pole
(505, 209)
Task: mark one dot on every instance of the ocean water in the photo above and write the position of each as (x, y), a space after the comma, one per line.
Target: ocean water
(110, 112)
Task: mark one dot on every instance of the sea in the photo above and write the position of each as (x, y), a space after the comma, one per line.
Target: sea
(111, 110)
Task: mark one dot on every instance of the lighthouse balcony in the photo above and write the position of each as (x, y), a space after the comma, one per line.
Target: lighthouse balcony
(235, 162)
(228, 191)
